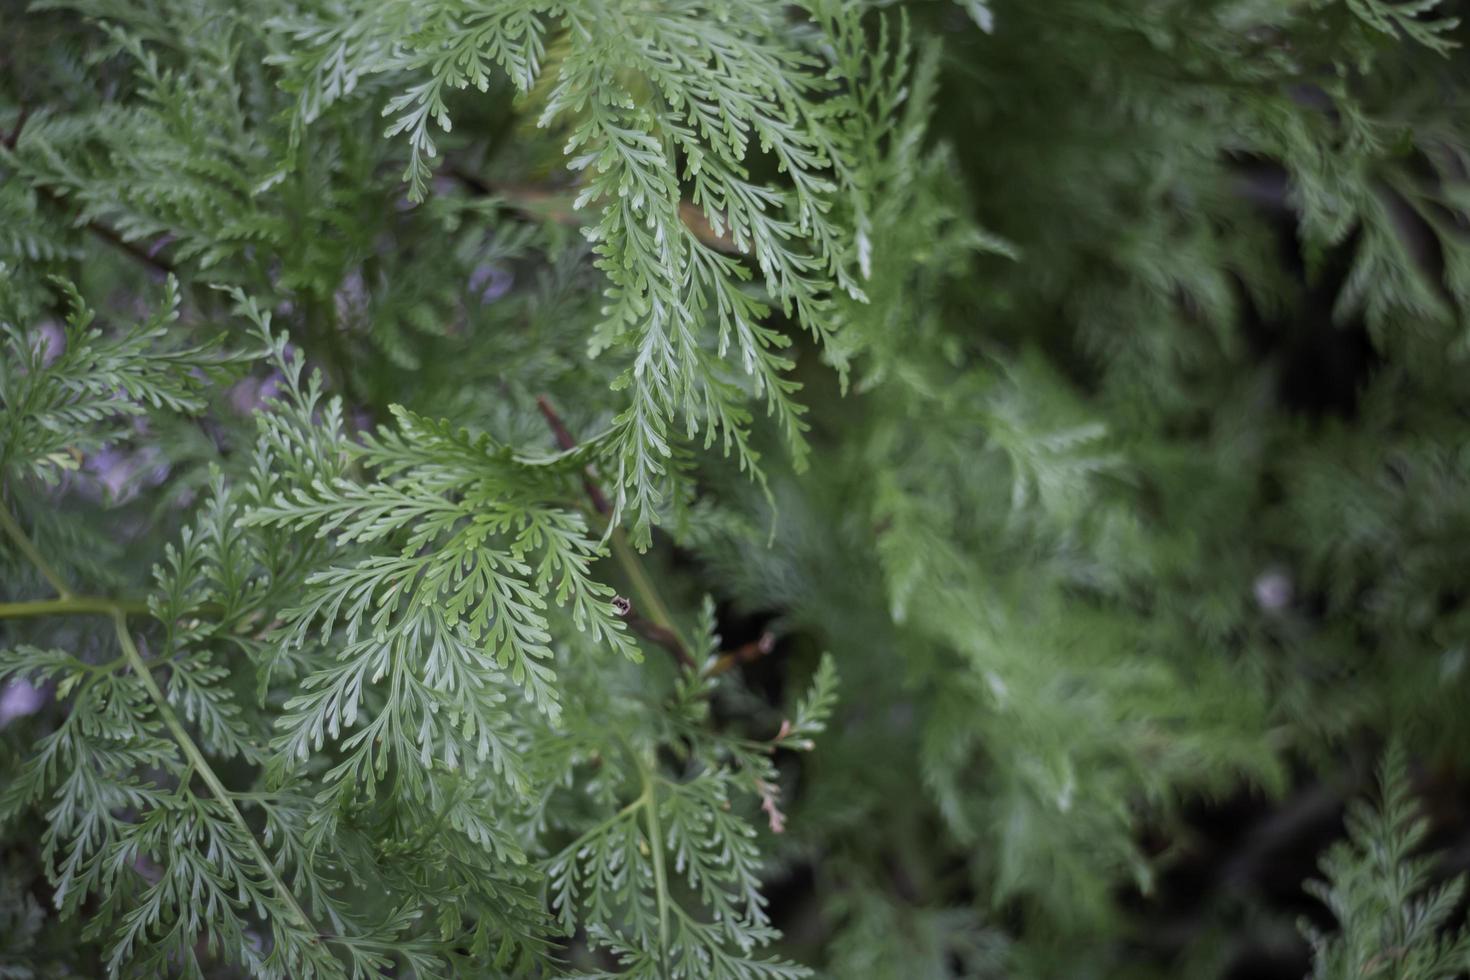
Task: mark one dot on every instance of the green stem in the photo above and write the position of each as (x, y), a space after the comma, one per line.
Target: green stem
(69, 605)
(656, 845)
(28, 548)
(118, 610)
(201, 765)
(648, 597)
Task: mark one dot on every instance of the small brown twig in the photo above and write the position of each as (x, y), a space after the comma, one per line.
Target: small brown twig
(654, 633)
(537, 202)
(143, 255)
(744, 654)
(105, 233)
(660, 629)
(20, 123)
(565, 441)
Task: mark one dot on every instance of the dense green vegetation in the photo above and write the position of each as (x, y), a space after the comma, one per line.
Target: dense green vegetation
(717, 488)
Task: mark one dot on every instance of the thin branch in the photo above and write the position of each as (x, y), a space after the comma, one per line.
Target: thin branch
(118, 611)
(660, 629)
(744, 654)
(547, 204)
(143, 255)
(20, 123)
(112, 238)
(565, 441)
(201, 765)
(70, 605)
(660, 875)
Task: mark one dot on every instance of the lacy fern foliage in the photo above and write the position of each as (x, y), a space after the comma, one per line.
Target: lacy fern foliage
(1394, 918)
(399, 397)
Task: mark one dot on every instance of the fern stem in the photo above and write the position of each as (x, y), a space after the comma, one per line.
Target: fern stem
(143, 255)
(648, 598)
(660, 874)
(660, 628)
(28, 548)
(70, 605)
(201, 765)
(118, 610)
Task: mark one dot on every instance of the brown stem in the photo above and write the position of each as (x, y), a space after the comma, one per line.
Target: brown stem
(102, 231)
(663, 636)
(660, 629)
(565, 441)
(20, 123)
(543, 203)
(105, 233)
(743, 654)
